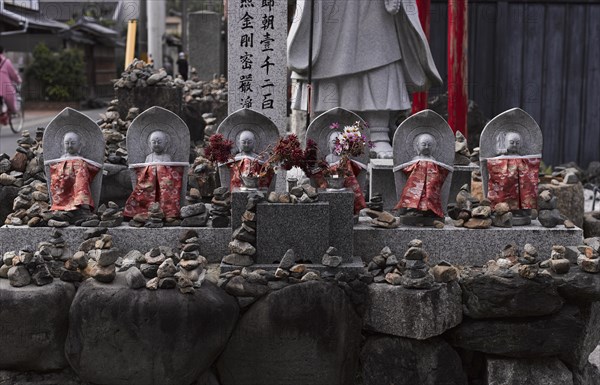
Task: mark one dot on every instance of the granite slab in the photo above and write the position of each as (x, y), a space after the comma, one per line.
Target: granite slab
(461, 246)
(283, 226)
(381, 180)
(341, 221)
(355, 266)
(213, 242)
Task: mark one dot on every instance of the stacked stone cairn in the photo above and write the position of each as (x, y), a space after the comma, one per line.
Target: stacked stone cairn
(511, 261)
(243, 243)
(114, 130)
(558, 262)
(76, 267)
(221, 208)
(480, 216)
(411, 271)
(382, 219)
(376, 202)
(192, 265)
(31, 205)
(330, 258)
(101, 260)
(588, 260)
(461, 212)
(548, 213)
(502, 215)
(304, 193)
(111, 215)
(194, 214)
(25, 267)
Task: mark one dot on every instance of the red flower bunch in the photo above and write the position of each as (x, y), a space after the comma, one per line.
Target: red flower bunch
(288, 152)
(218, 149)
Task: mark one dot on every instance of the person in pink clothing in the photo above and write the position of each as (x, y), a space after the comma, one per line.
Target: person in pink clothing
(9, 77)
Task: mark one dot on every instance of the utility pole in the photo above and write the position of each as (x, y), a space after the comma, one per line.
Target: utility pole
(184, 26)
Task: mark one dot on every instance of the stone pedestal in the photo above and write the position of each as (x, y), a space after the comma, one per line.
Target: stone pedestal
(283, 226)
(206, 46)
(308, 228)
(381, 180)
(418, 314)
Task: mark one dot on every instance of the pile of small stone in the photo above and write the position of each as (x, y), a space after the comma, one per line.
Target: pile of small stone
(376, 202)
(194, 214)
(298, 194)
(548, 213)
(114, 130)
(192, 265)
(101, 260)
(110, 216)
(587, 258)
(141, 74)
(416, 274)
(243, 244)
(25, 267)
(461, 212)
(480, 216)
(512, 261)
(75, 267)
(153, 259)
(382, 219)
(221, 208)
(165, 276)
(462, 156)
(502, 215)
(294, 272)
(386, 267)
(151, 219)
(558, 261)
(330, 258)
(31, 205)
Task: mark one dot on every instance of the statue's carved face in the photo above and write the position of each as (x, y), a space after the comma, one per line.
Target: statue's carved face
(247, 142)
(332, 139)
(72, 143)
(158, 142)
(425, 144)
(513, 143)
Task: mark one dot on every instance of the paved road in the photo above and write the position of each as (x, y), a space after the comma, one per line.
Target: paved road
(8, 140)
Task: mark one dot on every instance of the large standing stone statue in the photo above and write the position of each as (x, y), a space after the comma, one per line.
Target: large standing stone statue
(510, 152)
(367, 57)
(324, 136)
(74, 152)
(252, 132)
(158, 144)
(423, 155)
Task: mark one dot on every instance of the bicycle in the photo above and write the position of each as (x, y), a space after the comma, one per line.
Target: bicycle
(15, 120)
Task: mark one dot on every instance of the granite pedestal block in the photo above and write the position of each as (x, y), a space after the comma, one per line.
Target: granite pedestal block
(341, 221)
(461, 246)
(382, 181)
(460, 177)
(352, 268)
(213, 242)
(283, 226)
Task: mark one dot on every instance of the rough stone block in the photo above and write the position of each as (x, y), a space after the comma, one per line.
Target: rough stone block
(418, 314)
(544, 371)
(205, 49)
(341, 221)
(33, 325)
(303, 334)
(570, 200)
(522, 338)
(283, 226)
(405, 361)
(381, 180)
(147, 336)
(492, 296)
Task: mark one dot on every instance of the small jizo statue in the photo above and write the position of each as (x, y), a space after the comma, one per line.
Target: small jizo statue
(423, 172)
(251, 132)
(354, 171)
(158, 148)
(511, 146)
(73, 166)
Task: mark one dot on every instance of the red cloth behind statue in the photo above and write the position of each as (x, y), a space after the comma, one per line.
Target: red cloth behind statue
(350, 182)
(423, 189)
(156, 183)
(244, 166)
(514, 181)
(70, 182)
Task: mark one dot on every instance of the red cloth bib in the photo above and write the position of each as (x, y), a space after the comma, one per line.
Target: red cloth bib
(423, 189)
(156, 183)
(70, 182)
(513, 181)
